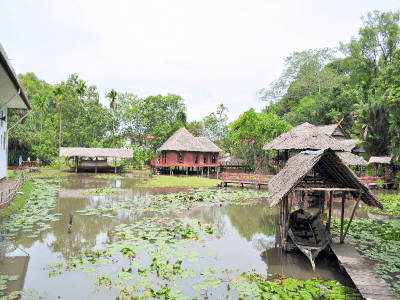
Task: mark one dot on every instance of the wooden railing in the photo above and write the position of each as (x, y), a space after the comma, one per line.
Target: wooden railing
(29, 163)
(245, 178)
(7, 195)
(158, 162)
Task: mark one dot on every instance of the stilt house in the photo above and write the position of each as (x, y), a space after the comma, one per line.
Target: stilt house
(184, 150)
(309, 137)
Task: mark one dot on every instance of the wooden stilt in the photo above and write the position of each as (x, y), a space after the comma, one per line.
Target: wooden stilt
(342, 217)
(76, 164)
(306, 200)
(351, 218)
(115, 165)
(328, 227)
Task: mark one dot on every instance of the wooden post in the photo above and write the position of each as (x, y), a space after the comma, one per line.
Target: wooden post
(208, 171)
(342, 217)
(202, 171)
(328, 227)
(351, 218)
(76, 164)
(95, 169)
(306, 200)
(115, 165)
(187, 171)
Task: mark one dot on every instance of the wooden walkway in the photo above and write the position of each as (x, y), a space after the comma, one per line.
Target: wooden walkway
(368, 282)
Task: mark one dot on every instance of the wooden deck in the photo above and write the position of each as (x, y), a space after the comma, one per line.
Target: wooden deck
(368, 282)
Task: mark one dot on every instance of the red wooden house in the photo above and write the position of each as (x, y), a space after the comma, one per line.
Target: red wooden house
(183, 150)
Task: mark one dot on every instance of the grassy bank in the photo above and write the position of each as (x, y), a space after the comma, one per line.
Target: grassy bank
(172, 181)
(19, 202)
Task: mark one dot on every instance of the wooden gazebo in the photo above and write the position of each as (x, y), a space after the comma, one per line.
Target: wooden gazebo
(320, 172)
(95, 159)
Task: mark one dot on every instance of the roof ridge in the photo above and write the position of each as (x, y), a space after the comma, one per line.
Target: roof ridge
(176, 138)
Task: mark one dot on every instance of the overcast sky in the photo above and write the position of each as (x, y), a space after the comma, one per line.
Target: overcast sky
(208, 52)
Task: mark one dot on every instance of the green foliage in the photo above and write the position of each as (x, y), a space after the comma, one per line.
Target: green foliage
(250, 132)
(171, 181)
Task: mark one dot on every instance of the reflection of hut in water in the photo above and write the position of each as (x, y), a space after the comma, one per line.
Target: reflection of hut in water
(232, 165)
(309, 137)
(319, 172)
(14, 264)
(95, 159)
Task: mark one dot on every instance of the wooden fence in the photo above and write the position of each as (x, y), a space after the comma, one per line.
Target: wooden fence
(244, 178)
(7, 195)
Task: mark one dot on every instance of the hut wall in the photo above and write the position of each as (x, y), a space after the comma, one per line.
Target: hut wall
(189, 159)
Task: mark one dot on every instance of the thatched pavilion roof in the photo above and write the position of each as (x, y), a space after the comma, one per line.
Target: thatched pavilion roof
(350, 159)
(183, 140)
(232, 161)
(327, 166)
(306, 137)
(386, 160)
(96, 152)
(333, 130)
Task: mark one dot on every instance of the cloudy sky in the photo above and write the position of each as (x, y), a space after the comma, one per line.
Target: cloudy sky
(209, 52)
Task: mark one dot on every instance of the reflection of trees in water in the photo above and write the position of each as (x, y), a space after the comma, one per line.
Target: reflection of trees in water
(262, 242)
(250, 220)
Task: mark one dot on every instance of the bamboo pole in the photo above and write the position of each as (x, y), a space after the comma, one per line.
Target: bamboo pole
(328, 227)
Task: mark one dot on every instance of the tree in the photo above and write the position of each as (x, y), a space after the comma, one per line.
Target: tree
(112, 95)
(250, 132)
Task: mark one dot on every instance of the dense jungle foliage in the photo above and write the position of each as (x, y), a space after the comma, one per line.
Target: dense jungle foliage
(357, 84)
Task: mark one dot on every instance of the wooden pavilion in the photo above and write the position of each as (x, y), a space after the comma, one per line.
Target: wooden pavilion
(318, 172)
(388, 162)
(95, 159)
(183, 150)
(232, 165)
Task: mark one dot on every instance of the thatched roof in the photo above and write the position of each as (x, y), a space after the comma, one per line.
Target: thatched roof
(333, 130)
(350, 159)
(210, 146)
(183, 140)
(96, 152)
(306, 137)
(386, 160)
(328, 167)
(232, 161)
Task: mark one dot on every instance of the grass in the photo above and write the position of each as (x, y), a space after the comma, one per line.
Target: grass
(19, 201)
(172, 181)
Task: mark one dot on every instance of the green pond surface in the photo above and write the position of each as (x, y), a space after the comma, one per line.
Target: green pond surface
(119, 245)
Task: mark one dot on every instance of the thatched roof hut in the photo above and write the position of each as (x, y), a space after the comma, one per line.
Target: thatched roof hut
(384, 160)
(333, 130)
(329, 171)
(183, 140)
(232, 161)
(96, 152)
(306, 137)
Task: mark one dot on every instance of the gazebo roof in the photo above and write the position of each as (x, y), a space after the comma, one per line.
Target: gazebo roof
(385, 160)
(328, 168)
(96, 152)
(183, 140)
(306, 137)
(233, 161)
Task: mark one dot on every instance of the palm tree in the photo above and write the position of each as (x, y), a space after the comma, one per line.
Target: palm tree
(59, 93)
(112, 95)
(221, 109)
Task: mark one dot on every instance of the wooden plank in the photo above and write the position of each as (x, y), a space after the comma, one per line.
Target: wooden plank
(368, 282)
(326, 189)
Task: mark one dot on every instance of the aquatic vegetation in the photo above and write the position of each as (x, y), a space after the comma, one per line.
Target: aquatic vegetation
(378, 240)
(391, 205)
(19, 201)
(103, 191)
(174, 181)
(109, 176)
(28, 294)
(4, 279)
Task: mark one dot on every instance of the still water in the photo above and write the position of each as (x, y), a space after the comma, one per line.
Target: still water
(247, 240)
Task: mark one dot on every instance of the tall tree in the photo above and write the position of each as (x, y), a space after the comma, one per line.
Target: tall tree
(112, 96)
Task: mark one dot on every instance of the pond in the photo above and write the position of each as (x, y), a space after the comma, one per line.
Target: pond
(118, 246)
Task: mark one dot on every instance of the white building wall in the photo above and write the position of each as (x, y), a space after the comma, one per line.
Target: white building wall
(3, 144)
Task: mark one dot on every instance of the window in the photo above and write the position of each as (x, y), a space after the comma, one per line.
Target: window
(205, 158)
(196, 157)
(180, 158)
(213, 159)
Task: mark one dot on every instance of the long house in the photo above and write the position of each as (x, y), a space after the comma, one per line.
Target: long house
(183, 150)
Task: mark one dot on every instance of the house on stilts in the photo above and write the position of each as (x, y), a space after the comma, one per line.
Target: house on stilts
(309, 137)
(183, 151)
(324, 174)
